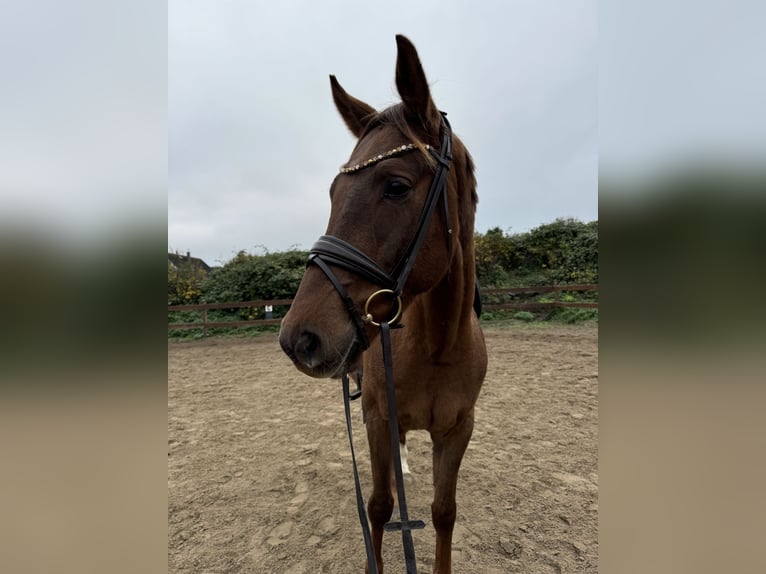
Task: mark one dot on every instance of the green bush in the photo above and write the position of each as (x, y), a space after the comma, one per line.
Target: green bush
(184, 283)
(564, 251)
(499, 315)
(525, 316)
(251, 277)
(575, 315)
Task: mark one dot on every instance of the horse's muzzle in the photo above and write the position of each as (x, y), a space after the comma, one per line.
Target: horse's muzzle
(315, 355)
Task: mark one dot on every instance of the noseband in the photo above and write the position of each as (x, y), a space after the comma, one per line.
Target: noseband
(332, 251)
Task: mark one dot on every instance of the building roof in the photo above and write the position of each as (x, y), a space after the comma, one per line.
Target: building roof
(177, 260)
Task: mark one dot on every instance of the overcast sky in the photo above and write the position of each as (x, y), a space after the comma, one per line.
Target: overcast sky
(254, 138)
(220, 111)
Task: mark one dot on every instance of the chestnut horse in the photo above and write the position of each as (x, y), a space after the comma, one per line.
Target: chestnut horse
(402, 216)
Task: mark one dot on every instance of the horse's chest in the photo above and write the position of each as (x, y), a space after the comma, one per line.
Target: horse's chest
(432, 407)
(433, 397)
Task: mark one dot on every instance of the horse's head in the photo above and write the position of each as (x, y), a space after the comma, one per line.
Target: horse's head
(402, 206)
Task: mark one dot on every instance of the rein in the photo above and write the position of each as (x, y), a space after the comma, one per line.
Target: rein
(331, 251)
(404, 524)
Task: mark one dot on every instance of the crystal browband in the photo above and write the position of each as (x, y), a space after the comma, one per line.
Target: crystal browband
(375, 159)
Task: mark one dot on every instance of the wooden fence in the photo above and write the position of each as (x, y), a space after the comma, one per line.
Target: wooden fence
(519, 300)
(204, 307)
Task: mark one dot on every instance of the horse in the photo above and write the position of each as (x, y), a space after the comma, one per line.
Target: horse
(402, 218)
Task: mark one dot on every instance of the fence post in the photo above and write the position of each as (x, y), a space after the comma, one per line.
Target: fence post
(204, 322)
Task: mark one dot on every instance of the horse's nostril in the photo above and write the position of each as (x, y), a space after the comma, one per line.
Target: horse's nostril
(308, 341)
(306, 348)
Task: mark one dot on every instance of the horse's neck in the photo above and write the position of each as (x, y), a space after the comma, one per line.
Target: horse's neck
(445, 311)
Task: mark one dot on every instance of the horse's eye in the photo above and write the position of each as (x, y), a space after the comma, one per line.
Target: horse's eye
(396, 189)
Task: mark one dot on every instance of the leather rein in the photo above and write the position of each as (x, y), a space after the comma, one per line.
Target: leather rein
(331, 251)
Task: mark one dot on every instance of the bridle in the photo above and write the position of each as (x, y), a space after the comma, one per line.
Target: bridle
(331, 251)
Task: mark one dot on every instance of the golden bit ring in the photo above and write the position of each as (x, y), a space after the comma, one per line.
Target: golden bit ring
(368, 318)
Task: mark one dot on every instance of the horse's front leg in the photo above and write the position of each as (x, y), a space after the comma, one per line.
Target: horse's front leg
(448, 451)
(381, 503)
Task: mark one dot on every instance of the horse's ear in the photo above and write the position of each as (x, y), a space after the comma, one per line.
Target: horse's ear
(412, 85)
(354, 112)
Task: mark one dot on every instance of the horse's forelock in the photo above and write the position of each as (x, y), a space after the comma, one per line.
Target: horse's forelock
(395, 115)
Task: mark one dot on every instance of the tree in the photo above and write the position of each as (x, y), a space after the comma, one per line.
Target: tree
(493, 257)
(184, 283)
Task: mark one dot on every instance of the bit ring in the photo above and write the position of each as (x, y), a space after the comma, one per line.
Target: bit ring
(368, 318)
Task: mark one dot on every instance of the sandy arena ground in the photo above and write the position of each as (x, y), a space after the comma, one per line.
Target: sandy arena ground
(260, 479)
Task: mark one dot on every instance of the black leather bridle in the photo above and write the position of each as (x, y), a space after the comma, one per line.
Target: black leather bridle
(331, 251)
